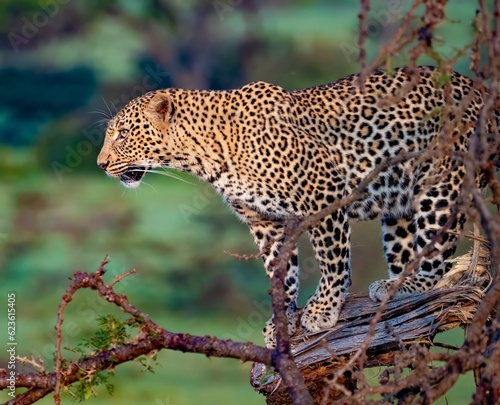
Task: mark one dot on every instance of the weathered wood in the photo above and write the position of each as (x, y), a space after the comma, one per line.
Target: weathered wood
(408, 320)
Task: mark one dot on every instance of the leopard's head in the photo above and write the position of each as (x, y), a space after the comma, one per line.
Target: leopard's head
(135, 140)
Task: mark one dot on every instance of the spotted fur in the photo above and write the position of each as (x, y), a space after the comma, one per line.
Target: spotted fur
(273, 154)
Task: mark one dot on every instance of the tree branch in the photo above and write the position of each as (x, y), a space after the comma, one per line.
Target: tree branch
(154, 338)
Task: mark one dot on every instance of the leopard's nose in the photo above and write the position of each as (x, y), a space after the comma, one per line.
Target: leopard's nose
(103, 165)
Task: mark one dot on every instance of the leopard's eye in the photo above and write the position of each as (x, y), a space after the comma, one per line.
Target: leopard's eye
(122, 133)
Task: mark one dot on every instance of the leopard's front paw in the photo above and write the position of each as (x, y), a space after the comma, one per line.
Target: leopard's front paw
(318, 316)
(380, 289)
(270, 332)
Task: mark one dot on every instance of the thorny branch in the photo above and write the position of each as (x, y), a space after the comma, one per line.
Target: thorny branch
(153, 338)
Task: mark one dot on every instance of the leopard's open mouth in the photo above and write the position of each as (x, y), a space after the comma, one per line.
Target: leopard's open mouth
(132, 177)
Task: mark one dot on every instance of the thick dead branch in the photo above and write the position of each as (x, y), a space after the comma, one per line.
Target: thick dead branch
(405, 322)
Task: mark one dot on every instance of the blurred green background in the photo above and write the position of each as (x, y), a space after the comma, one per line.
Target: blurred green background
(65, 66)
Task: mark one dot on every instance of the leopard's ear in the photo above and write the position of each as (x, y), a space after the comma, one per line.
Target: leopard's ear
(160, 110)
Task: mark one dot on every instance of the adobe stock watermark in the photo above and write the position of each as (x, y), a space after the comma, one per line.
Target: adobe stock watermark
(166, 401)
(74, 156)
(31, 26)
(377, 20)
(222, 7)
(201, 200)
(256, 319)
(151, 80)
(93, 136)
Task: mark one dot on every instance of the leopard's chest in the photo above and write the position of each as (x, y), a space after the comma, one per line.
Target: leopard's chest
(259, 195)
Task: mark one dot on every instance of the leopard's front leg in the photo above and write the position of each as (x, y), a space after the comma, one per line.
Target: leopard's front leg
(330, 239)
(268, 235)
(291, 290)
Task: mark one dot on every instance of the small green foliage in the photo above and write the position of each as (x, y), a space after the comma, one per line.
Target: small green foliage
(443, 79)
(112, 333)
(146, 362)
(87, 383)
(389, 66)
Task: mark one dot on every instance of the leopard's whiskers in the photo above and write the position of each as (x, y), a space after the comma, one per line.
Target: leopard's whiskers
(164, 172)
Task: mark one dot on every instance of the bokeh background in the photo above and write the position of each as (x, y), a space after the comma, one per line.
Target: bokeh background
(65, 66)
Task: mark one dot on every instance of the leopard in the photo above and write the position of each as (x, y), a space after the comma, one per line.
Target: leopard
(276, 154)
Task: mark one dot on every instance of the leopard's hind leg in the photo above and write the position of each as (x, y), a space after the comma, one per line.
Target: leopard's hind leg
(433, 208)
